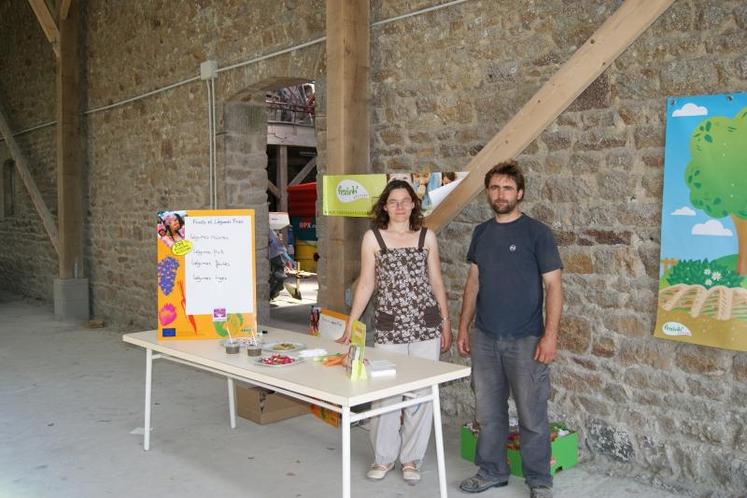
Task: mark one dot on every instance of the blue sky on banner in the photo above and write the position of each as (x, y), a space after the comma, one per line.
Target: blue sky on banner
(687, 232)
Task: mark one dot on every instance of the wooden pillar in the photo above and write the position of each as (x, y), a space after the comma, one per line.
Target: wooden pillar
(70, 156)
(282, 177)
(347, 134)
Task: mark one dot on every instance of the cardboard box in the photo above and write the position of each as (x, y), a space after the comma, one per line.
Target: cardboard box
(564, 452)
(264, 407)
(328, 416)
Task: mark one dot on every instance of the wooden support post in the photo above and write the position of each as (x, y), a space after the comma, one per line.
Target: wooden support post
(28, 181)
(282, 177)
(70, 157)
(616, 34)
(347, 135)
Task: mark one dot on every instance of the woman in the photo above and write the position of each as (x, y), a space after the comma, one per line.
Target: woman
(399, 259)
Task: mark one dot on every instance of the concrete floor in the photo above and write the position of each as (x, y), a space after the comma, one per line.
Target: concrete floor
(70, 398)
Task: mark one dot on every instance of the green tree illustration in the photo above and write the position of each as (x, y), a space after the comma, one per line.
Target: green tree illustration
(717, 173)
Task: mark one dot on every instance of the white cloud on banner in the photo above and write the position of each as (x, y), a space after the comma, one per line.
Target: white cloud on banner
(713, 228)
(684, 211)
(690, 109)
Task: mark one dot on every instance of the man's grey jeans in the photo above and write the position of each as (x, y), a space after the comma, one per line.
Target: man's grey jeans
(500, 366)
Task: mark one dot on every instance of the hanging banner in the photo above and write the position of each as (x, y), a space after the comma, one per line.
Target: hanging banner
(354, 195)
(703, 272)
(206, 274)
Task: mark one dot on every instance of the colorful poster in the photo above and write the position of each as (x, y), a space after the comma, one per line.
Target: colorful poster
(354, 195)
(206, 274)
(703, 272)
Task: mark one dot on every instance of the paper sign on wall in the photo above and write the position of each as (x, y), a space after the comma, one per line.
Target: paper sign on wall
(206, 274)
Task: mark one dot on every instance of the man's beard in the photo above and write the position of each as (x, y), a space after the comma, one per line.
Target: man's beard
(503, 209)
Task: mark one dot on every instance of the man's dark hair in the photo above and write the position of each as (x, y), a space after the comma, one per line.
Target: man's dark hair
(506, 168)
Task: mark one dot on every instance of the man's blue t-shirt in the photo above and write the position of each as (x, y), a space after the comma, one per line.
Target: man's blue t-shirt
(511, 258)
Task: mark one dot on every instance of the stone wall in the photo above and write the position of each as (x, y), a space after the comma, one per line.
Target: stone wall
(28, 262)
(442, 84)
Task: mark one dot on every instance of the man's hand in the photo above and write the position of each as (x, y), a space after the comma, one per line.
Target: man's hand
(463, 343)
(546, 349)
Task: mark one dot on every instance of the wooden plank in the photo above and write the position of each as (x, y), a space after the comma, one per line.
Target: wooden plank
(612, 38)
(347, 138)
(70, 157)
(273, 189)
(282, 177)
(47, 22)
(28, 181)
(304, 172)
(64, 9)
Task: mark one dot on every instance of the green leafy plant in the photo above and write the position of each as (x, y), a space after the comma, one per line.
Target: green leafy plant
(703, 272)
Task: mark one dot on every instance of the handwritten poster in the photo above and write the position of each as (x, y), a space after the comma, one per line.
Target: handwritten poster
(206, 274)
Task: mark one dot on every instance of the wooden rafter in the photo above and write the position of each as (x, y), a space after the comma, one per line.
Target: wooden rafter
(304, 172)
(611, 39)
(47, 22)
(28, 181)
(64, 9)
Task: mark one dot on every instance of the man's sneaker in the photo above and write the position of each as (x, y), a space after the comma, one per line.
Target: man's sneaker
(540, 492)
(379, 471)
(476, 484)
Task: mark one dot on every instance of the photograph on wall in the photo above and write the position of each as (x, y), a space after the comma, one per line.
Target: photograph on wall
(703, 267)
(354, 195)
(206, 274)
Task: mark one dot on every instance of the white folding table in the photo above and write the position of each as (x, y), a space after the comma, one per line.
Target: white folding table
(328, 387)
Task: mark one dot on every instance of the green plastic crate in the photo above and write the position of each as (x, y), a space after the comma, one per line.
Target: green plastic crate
(564, 452)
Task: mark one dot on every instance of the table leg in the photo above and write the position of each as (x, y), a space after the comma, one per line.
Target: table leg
(345, 452)
(231, 403)
(439, 441)
(148, 382)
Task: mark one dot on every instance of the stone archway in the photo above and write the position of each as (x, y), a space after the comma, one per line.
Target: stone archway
(245, 169)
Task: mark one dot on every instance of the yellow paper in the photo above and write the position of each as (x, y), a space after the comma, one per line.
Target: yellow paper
(358, 341)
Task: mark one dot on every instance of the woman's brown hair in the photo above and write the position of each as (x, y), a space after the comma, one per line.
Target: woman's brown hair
(381, 217)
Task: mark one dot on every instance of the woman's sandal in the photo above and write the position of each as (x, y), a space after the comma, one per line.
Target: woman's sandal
(410, 473)
(379, 471)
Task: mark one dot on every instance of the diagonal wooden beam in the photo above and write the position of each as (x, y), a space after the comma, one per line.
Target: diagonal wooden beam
(28, 181)
(47, 22)
(304, 171)
(611, 39)
(64, 9)
(273, 189)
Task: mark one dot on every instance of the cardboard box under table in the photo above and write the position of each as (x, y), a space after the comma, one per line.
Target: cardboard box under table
(564, 452)
(264, 407)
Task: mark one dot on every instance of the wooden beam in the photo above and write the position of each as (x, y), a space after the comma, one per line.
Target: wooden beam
(70, 157)
(47, 23)
(64, 9)
(347, 137)
(611, 39)
(28, 181)
(273, 189)
(282, 177)
(304, 172)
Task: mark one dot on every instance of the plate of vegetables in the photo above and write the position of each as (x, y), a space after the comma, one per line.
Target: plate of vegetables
(283, 346)
(277, 360)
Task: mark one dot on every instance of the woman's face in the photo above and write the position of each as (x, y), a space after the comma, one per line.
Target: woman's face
(174, 223)
(399, 205)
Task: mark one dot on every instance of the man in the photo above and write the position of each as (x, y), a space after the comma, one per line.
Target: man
(512, 258)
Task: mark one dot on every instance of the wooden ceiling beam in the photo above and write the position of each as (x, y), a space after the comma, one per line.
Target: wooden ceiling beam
(617, 33)
(47, 23)
(64, 9)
